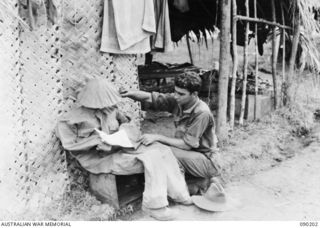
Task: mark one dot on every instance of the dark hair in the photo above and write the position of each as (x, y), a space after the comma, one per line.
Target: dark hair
(189, 81)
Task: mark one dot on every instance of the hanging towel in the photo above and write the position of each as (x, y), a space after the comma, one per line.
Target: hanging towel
(109, 40)
(134, 20)
(161, 41)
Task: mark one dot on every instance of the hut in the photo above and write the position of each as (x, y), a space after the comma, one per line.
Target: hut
(41, 71)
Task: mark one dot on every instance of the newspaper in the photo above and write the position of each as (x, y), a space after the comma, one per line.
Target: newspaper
(119, 138)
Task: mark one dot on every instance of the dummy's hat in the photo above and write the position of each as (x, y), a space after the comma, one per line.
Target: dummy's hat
(98, 94)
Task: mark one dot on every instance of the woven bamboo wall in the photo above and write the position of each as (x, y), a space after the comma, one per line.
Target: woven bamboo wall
(81, 59)
(44, 69)
(11, 109)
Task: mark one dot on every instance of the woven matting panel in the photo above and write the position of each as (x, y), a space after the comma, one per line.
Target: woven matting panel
(81, 58)
(126, 75)
(40, 71)
(11, 159)
(81, 34)
(45, 167)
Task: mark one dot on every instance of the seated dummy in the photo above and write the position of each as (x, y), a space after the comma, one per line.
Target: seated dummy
(96, 109)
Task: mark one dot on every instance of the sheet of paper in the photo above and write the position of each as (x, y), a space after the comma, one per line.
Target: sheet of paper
(120, 138)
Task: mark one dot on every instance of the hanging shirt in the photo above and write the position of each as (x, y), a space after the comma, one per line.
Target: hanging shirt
(161, 41)
(127, 26)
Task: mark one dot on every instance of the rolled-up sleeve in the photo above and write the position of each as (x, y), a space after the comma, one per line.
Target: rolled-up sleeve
(163, 101)
(195, 130)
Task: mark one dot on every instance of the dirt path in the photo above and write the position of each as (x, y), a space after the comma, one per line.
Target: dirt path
(290, 191)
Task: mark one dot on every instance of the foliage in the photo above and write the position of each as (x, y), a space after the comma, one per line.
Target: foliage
(300, 119)
(310, 30)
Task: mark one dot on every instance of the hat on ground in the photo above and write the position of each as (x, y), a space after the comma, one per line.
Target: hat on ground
(214, 199)
(98, 94)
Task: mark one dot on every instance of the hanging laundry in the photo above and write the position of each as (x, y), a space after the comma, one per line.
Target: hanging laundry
(161, 41)
(201, 16)
(134, 21)
(127, 26)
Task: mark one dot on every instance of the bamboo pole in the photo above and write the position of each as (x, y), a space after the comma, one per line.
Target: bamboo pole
(224, 61)
(256, 62)
(235, 64)
(263, 21)
(274, 57)
(291, 74)
(283, 56)
(189, 48)
(245, 68)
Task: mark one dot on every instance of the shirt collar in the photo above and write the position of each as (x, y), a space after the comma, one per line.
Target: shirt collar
(190, 110)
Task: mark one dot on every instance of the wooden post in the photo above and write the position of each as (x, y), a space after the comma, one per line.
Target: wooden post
(189, 48)
(224, 62)
(256, 62)
(245, 68)
(283, 57)
(235, 64)
(274, 57)
(291, 74)
(148, 58)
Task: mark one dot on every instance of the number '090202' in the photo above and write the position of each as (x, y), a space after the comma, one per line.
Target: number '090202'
(309, 224)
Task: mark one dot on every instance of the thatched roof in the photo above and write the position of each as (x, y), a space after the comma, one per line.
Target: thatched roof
(310, 31)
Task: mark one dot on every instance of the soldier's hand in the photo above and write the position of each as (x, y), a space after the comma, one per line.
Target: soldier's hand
(148, 139)
(124, 92)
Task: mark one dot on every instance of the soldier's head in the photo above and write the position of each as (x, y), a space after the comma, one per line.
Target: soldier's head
(187, 87)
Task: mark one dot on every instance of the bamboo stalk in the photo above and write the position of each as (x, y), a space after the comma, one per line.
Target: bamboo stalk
(235, 64)
(283, 56)
(245, 68)
(259, 20)
(256, 62)
(224, 61)
(289, 93)
(189, 48)
(274, 57)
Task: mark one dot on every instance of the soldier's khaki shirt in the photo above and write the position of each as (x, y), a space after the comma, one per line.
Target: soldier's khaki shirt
(194, 125)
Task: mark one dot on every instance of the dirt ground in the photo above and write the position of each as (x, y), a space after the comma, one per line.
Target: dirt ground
(287, 192)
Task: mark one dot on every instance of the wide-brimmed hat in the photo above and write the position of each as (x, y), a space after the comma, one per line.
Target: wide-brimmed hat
(98, 94)
(215, 199)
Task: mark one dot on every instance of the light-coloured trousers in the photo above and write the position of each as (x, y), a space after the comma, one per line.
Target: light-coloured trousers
(163, 178)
